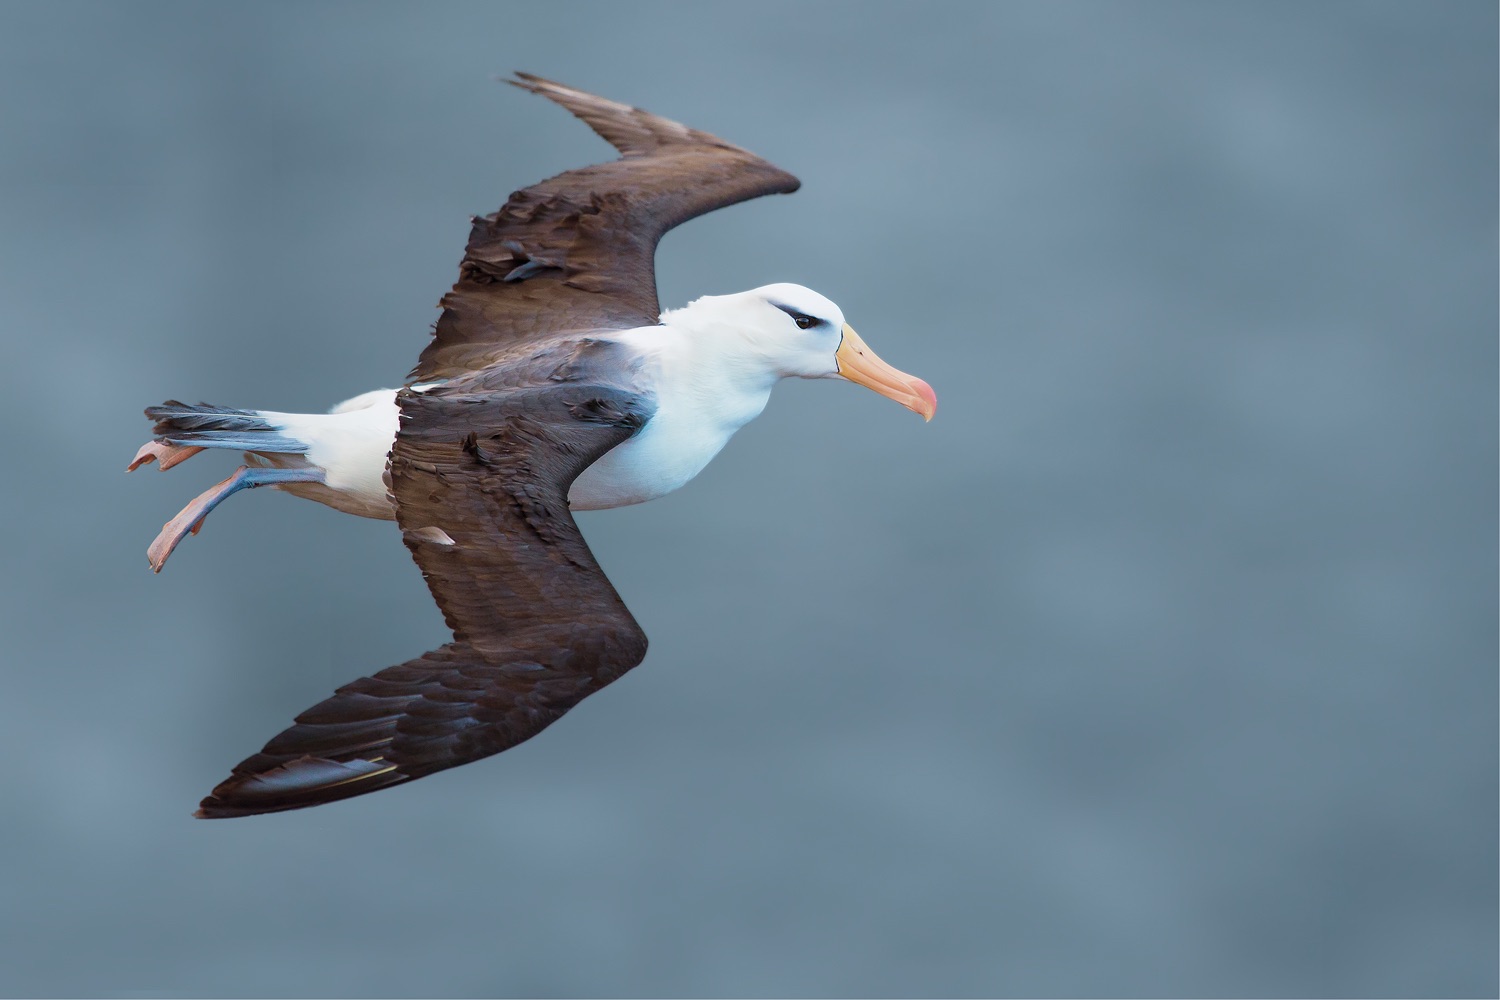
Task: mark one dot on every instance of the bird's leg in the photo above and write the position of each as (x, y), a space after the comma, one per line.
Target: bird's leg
(190, 518)
(164, 453)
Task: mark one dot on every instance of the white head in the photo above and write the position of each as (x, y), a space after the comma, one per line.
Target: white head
(794, 331)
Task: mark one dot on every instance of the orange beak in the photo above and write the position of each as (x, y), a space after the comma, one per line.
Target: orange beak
(858, 363)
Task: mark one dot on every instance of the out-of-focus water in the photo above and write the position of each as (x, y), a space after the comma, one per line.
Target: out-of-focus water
(1163, 662)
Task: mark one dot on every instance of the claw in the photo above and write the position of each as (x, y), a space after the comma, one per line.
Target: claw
(166, 454)
(189, 520)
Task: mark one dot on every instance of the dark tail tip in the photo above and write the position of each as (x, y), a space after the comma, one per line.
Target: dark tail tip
(174, 417)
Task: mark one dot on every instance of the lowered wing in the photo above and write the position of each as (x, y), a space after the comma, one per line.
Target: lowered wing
(480, 480)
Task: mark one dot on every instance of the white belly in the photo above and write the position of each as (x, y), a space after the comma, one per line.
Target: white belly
(672, 448)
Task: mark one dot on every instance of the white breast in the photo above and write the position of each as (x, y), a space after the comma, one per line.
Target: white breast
(699, 406)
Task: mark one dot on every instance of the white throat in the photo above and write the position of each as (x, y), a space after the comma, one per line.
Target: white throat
(708, 353)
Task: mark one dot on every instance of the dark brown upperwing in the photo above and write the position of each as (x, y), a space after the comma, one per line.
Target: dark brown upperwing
(577, 252)
(480, 481)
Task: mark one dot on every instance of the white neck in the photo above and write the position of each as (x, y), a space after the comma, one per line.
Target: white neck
(705, 355)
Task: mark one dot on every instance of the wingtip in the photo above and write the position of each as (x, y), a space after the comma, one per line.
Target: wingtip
(530, 82)
(296, 784)
(559, 92)
(211, 808)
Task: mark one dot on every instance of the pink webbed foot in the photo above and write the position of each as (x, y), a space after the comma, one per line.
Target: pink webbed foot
(166, 455)
(189, 520)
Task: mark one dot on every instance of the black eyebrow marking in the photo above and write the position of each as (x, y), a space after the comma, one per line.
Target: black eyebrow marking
(798, 315)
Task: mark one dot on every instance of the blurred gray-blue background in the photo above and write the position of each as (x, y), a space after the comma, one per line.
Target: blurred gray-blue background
(1163, 662)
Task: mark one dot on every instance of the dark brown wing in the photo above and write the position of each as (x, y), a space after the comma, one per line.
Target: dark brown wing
(576, 252)
(536, 625)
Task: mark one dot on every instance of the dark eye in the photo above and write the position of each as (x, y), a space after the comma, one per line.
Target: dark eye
(802, 319)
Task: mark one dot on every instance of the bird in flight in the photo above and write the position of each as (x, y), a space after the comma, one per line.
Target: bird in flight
(553, 383)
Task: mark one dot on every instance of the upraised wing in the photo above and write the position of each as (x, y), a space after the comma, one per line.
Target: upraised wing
(480, 478)
(577, 252)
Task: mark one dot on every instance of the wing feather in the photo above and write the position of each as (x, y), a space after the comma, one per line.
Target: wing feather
(577, 252)
(537, 625)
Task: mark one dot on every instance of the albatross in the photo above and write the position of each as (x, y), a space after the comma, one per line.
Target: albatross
(553, 382)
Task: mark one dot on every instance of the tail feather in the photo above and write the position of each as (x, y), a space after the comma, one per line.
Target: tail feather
(173, 416)
(208, 426)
